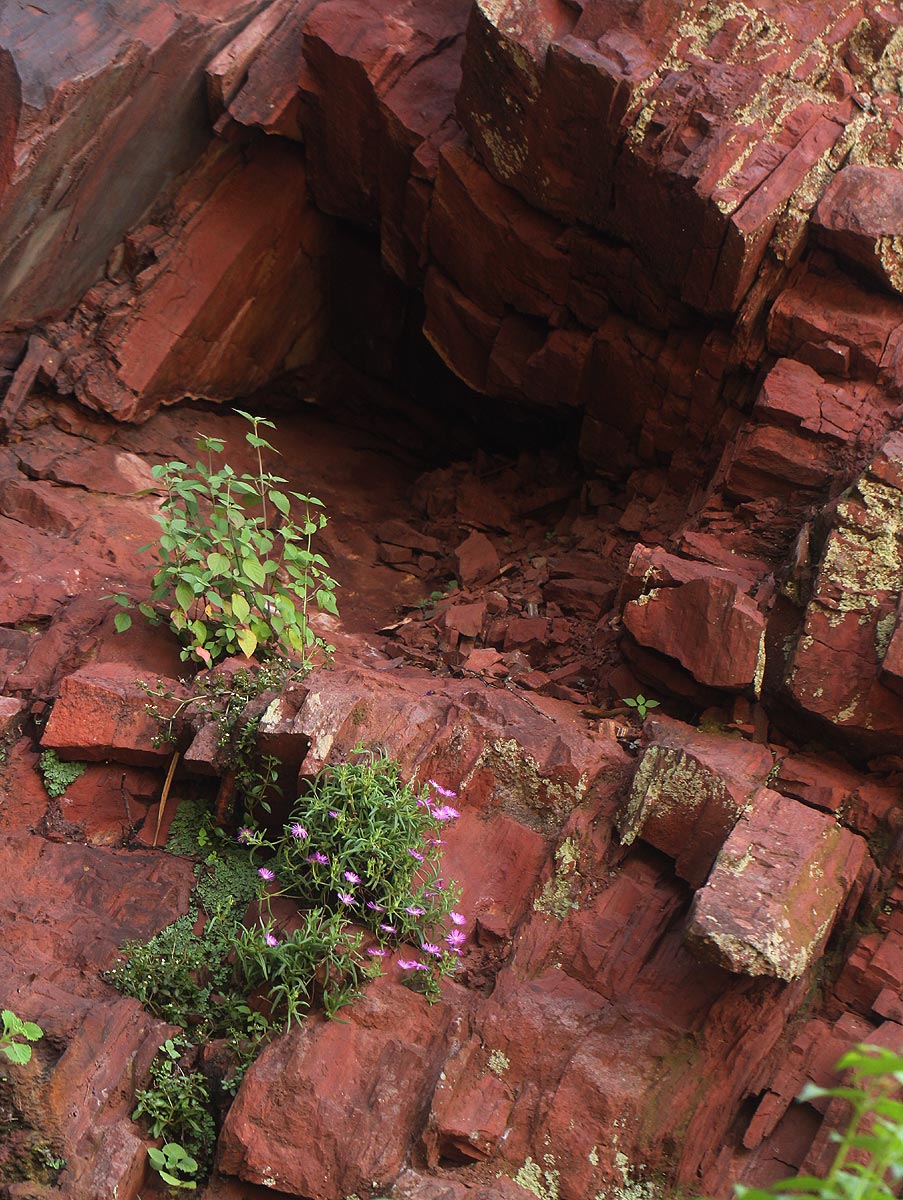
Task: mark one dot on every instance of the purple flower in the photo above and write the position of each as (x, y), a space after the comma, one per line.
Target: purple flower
(415, 854)
(266, 873)
(317, 857)
(376, 907)
(270, 940)
(389, 928)
(333, 813)
(446, 813)
(244, 836)
(457, 918)
(456, 938)
(346, 897)
(443, 791)
(437, 842)
(430, 948)
(298, 831)
(351, 877)
(415, 911)
(408, 964)
(423, 802)
(376, 952)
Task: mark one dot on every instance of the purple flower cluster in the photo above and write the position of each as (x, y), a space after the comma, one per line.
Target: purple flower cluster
(442, 791)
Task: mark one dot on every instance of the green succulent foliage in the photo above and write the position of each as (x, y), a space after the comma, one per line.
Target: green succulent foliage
(238, 572)
(16, 1036)
(58, 775)
(868, 1164)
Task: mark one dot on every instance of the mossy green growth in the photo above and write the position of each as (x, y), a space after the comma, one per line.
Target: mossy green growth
(58, 775)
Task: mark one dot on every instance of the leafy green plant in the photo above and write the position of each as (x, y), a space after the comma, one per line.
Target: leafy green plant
(58, 775)
(367, 855)
(174, 1165)
(176, 1106)
(366, 845)
(16, 1035)
(868, 1164)
(237, 570)
(640, 703)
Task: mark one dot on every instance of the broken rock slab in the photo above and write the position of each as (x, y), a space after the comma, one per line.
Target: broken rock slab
(102, 108)
(689, 791)
(775, 889)
(708, 624)
(102, 714)
(860, 218)
(836, 671)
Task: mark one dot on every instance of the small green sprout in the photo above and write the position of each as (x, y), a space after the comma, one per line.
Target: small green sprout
(640, 703)
(15, 1030)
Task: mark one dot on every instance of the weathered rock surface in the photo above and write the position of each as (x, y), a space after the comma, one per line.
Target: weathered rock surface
(331, 1085)
(673, 233)
(78, 168)
(197, 319)
(688, 793)
(775, 889)
(835, 669)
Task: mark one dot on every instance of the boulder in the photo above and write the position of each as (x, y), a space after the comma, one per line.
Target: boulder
(775, 890)
(199, 320)
(709, 625)
(101, 111)
(333, 1107)
(101, 714)
(689, 791)
(860, 218)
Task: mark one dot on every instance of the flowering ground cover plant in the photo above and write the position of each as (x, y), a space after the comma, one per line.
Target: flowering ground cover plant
(366, 846)
(360, 855)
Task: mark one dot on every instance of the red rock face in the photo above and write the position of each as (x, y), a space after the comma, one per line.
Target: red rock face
(77, 166)
(675, 232)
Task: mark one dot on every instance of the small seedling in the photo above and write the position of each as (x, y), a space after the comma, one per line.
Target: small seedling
(640, 703)
(173, 1163)
(16, 1035)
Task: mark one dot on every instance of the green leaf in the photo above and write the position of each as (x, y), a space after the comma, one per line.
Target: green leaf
(254, 570)
(184, 595)
(122, 621)
(281, 501)
(17, 1052)
(241, 610)
(218, 563)
(188, 1184)
(247, 639)
(326, 602)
